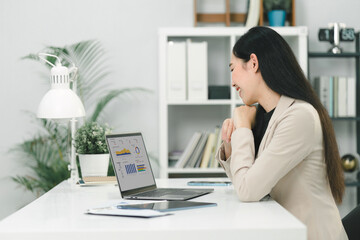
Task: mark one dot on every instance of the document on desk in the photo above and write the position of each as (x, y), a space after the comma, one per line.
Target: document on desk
(114, 211)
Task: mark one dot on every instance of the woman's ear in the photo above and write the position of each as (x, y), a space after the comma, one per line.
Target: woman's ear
(254, 62)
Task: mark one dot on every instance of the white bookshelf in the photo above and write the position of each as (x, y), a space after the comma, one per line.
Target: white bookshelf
(180, 119)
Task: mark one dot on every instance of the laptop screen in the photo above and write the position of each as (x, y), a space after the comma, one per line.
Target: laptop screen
(130, 161)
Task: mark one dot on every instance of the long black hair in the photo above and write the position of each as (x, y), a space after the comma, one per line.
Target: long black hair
(283, 74)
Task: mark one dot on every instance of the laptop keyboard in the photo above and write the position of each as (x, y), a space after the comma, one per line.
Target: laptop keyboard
(163, 192)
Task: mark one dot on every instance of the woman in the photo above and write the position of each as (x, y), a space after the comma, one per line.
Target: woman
(285, 147)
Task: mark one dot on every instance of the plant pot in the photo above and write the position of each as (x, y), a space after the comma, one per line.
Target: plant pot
(94, 164)
(277, 18)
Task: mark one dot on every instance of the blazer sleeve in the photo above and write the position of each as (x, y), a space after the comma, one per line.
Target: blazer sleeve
(224, 163)
(291, 142)
(248, 139)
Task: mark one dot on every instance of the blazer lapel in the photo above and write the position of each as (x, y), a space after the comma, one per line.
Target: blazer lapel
(283, 104)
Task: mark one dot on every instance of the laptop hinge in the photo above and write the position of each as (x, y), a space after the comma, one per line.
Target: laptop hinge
(138, 190)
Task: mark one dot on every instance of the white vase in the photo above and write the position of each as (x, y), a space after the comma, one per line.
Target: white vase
(94, 164)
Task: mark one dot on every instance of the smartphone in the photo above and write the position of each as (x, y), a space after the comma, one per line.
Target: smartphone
(209, 183)
(167, 205)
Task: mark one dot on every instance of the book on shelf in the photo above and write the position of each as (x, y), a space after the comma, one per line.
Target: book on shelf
(337, 94)
(215, 163)
(176, 71)
(188, 150)
(197, 70)
(351, 97)
(207, 151)
(97, 180)
(200, 150)
(196, 156)
(253, 15)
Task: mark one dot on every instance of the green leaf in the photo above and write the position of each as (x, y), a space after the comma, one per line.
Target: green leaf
(105, 100)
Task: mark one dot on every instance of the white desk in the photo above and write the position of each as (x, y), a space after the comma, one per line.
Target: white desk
(59, 214)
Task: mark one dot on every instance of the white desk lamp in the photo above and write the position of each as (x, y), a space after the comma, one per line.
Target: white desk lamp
(62, 103)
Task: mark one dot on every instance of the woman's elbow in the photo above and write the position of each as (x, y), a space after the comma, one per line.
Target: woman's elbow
(247, 195)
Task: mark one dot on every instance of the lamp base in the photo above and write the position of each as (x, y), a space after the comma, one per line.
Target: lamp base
(74, 176)
(335, 49)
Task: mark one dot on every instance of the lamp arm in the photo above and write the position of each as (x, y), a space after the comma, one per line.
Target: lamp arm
(50, 55)
(73, 70)
(74, 176)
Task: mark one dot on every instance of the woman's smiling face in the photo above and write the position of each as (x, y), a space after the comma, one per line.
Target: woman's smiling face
(243, 79)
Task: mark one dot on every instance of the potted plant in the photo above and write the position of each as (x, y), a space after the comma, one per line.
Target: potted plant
(276, 11)
(90, 144)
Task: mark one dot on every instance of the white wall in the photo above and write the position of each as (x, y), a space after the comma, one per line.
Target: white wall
(128, 31)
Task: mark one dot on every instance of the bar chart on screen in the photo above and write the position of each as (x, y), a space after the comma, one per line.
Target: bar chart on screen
(130, 169)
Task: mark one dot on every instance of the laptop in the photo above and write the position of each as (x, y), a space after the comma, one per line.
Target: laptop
(134, 174)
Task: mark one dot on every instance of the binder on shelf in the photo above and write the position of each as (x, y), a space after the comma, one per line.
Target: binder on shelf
(197, 67)
(337, 94)
(331, 96)
(351, 97)
(324, 87)
(176, 71)
(326, 93)
(342, 108)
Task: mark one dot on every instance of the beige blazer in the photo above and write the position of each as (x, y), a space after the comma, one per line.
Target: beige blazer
(289, 166)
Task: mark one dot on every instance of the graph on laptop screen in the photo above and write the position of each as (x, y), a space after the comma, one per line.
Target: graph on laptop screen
(131, 162)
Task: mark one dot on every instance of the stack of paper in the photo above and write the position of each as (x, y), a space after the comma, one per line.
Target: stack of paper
(114, 211)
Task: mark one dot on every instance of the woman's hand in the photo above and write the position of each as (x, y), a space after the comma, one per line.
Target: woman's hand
(226, 131)
(244, 117)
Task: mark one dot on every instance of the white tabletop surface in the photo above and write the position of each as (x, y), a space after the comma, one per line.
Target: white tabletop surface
(60, 214)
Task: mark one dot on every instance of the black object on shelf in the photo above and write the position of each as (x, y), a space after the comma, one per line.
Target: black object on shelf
(353, 184)
(219, 92)
(345, 118)
(358, 188)
(333, 55)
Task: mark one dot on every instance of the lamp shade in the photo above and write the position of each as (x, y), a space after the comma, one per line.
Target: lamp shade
(60, 101)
